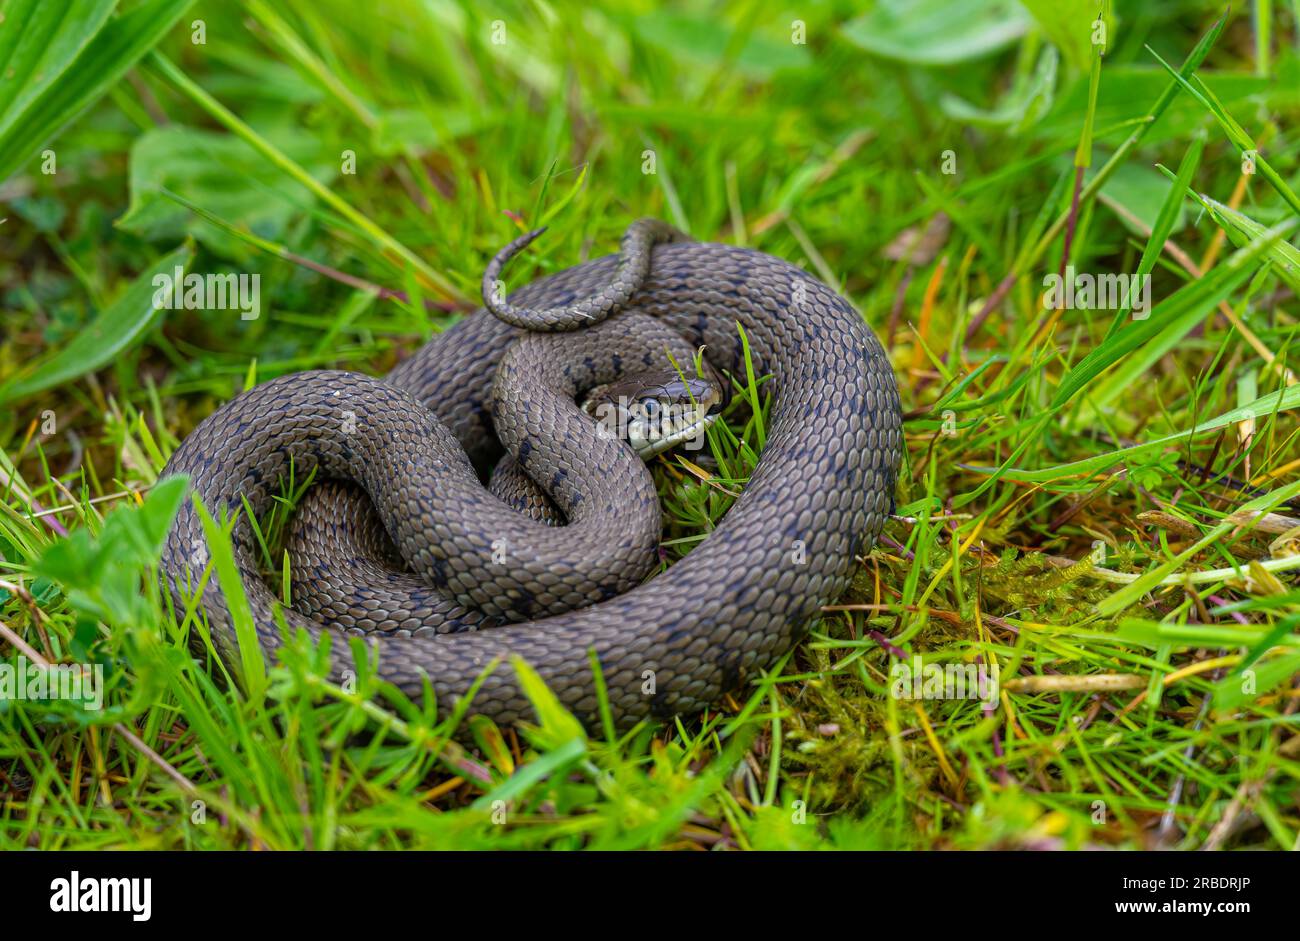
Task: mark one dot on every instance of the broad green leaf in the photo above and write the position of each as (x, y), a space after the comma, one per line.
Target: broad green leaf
(492, 744)
(1070, 25)
(1022, 107)
(262, 80)
(111, 334)
(697, 38)
(159, 509)
(38, 40)
(102, 572)
(75, 561)
(103, 60)
(938, 32)
(538, 769)
(556, 724)
(400, 131)
(221, 174)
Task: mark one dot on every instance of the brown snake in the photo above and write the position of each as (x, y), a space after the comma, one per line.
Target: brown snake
(452, 561)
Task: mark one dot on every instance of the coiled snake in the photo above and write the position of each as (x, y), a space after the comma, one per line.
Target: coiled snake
(452, 561)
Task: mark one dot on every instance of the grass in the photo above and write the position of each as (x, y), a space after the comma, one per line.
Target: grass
(1100, 506)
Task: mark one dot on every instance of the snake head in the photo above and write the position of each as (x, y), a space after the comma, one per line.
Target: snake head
(656, 411)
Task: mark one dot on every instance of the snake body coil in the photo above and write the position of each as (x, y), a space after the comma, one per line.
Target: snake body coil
(416, 442)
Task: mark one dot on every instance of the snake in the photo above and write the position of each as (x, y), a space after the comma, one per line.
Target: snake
(449, 582)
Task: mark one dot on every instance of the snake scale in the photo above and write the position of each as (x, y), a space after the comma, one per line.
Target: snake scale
(401, 542)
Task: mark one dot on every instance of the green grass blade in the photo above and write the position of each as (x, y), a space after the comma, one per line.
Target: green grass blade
(1178, 311)
(327, 195)
(1281, 401)
(110, 335)
(252, 673)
